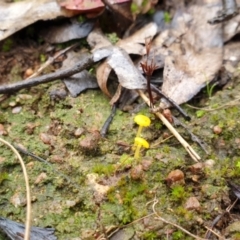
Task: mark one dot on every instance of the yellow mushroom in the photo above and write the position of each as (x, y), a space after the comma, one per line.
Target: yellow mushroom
(140, 142)
(142, 121)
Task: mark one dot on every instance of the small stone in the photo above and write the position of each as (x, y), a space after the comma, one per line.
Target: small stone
(17, 110)
(192, 204)
(18, 200)
(196, 168)
(12, 104)
(90, 142)
(30, 128)
(175, 177)
(209, 163)
(24, 97)
(30, 165)
(137, 172)
(46, 138)
(28, 72)
(3, 132)
(217, 129)
(146, 164)
(57, 159)
(78, 132)
(41, 177)
(70, 203)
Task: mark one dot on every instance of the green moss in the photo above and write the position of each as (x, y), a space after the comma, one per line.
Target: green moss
(149, 236)
(178, 193)
(134, 8)
(178, 235)
(104, 169)
(7, 45)
(3, 117)
(4, 176)
(167, 17)
(112, 37)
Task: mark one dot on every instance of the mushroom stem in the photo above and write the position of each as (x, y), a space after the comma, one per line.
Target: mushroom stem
(137, 151)
(140, 142)
(139, 131)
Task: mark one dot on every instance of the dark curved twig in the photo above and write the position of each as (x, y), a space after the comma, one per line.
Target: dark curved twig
(107, 123)
(78, 67)
(156, 90)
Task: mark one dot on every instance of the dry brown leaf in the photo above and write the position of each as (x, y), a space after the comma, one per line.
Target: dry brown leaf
(128, 75)
(201, 55)
(134, 44)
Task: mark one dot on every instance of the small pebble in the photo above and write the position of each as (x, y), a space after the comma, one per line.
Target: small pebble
(46, 138)
(28, 72)
(175, 177)
(146, 164)
(196, 168)
(12, 104)
(217, 129)
(3, 132)
(41, 177)
(192, 204)
(137, 172)
(209, 163)
(78, 132)
(17, 110)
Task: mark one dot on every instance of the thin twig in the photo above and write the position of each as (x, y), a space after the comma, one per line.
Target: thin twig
(173, 224)
(232, 103)
(180, 110)
(78, 67)
(28, 214)
(51, 60)
(212, 231)
(188, 148)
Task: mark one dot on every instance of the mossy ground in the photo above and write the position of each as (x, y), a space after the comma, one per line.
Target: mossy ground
(74, 207)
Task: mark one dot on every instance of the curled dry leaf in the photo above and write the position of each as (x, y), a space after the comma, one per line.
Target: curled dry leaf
(102, 74)
(118, 59)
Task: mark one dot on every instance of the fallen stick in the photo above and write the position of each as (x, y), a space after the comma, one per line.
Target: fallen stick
(81, 65)
(52, 59)
(188, 148)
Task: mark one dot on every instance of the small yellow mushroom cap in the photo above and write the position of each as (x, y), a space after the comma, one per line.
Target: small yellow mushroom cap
(142, 142)
(142, 120)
